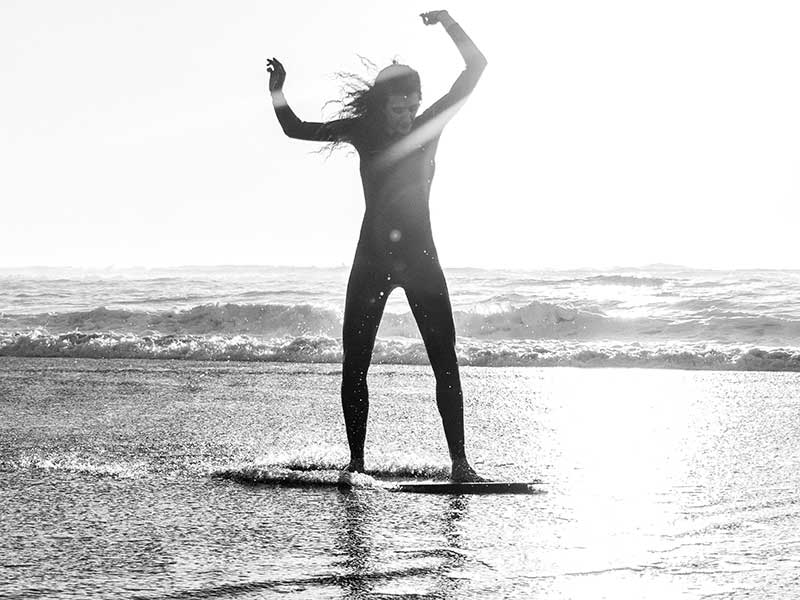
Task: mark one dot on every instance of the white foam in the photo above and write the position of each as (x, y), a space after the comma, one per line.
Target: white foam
(471, 352)
(75, 462)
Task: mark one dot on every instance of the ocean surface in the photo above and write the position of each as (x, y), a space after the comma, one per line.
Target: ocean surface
(672, 472)
(660, 316)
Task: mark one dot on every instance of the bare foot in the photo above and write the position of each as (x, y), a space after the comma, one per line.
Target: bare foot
(356, 465)
(462, 472)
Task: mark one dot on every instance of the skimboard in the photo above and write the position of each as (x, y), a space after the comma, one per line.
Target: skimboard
(472, 487)
(298, 478)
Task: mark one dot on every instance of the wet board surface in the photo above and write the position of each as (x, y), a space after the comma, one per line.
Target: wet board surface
(478, 487)
(298, 478)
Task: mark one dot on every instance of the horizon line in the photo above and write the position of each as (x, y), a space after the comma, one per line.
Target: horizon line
(635, 267)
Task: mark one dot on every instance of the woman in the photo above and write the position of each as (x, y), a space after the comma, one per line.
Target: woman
(395, 249)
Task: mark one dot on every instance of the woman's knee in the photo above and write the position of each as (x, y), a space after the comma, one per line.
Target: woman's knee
(444, 363)
(355, 365)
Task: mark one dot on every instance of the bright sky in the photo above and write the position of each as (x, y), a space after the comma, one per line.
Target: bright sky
(602, 133)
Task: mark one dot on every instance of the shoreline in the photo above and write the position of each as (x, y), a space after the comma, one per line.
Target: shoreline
(316, 366)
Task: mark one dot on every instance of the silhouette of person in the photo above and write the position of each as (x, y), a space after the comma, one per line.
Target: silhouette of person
(395, 248)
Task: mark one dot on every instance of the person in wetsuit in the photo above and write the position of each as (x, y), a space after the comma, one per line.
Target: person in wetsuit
(395, 248)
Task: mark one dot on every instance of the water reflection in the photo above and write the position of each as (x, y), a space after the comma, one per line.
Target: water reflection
(456, 512)
(355, 543)
(397, 545)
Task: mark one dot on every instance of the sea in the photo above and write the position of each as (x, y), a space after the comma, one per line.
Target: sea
(660, 316)
(177, 433)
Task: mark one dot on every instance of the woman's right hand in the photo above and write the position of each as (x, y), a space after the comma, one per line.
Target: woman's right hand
(436, 16)
(277, 74)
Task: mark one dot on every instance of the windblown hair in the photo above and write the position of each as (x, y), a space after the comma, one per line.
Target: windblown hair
(364, 101)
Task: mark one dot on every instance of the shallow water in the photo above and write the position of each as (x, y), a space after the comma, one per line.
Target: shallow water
(659, 483)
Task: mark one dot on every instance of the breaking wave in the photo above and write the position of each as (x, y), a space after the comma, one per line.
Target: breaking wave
(255, 319)
(495, 320)
(471, 352)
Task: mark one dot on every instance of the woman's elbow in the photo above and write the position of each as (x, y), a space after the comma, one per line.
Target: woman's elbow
(479, 63)
(288, 130)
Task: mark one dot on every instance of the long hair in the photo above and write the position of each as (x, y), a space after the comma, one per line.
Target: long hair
(365, 101)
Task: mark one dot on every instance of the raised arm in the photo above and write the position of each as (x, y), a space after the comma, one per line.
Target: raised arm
(473, 58)
(332, 131)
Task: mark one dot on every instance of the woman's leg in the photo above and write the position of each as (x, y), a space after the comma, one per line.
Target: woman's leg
(367, 292)
(430, 303)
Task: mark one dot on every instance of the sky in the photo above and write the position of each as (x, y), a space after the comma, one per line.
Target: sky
(615, 133)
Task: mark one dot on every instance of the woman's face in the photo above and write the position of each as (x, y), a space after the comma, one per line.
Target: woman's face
(400, 112)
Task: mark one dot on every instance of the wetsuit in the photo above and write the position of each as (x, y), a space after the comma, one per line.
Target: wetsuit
(396, 249)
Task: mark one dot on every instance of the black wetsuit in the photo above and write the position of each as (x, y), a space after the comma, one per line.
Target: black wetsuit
(396, 249)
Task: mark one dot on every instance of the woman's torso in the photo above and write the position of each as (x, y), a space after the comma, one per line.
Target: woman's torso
(396, 175)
